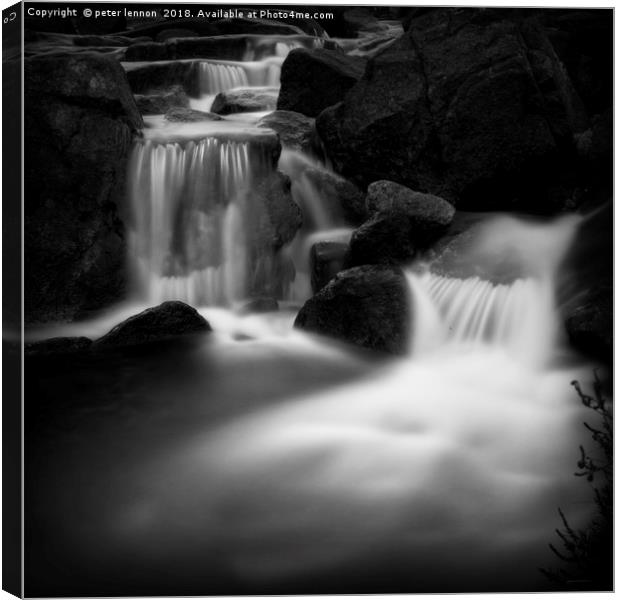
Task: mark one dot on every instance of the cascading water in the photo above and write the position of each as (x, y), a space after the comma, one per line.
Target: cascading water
(217, 77)
(190, 219)
(439, 471)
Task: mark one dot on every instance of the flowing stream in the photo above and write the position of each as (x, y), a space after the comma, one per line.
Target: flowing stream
(265, 460)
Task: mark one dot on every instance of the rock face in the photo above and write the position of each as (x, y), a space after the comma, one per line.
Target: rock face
(402, 223)
(590, 325)
(365, 306)
(276, 217)
(312, 80)
(80, 117)
(470, 104)
(188, 115)
(296, 131)
(326, 260)
(163, 78)
(158, 104)
(245, 100)
(168, 320)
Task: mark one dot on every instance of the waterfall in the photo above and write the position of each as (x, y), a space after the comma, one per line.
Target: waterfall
(519, 316)
(188, 239)
(215, 78)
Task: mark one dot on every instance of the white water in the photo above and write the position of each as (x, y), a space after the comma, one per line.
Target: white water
(443, 470)
(189, 219)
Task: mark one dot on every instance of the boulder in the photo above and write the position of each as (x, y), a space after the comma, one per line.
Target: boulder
(158, 78)
(245, 100)
(312, 80)
(326, 260)
(590, 325)
(172, 99)
(80, 118)
(58, 345)
(402, 223)
(168, 320)
(365, 306)
(429, 216)
(470, 104)
(188, 115)
(382, 240)
(296, 131)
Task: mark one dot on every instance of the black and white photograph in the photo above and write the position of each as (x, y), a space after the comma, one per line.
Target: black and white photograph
(307, 299)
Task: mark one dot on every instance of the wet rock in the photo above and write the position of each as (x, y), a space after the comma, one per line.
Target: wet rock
(296, 131)
(326, 260)
(147, 51)
(159, 78)
(590, 325)
(245, 100)
(80, 118)
(275, 217)
(188, 115)
(382, 240)
(168, 320)
(365, 306)
(312, 80)
(172, 99)
(403, 222)
(429, 216)
(58, 345)
(470, 105)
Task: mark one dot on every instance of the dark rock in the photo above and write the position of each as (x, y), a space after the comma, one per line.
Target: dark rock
(168, 320)
(80, 117)
(403, 223)
(245, 100)
(147, 51)
(470, 105)
(366, 306)
(188, 115)
(277, 217)
(296, 131)
(167, 34)
(428, 215)
(312, 80)
(172, 99)
(326, 260)
(583, 40)
(590, 325)
(383, 240)
(58, 345)
(166, 76)
(260, 305)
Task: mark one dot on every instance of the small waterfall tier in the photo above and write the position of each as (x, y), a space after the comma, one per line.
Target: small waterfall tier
(519, 316)
(194, 204)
